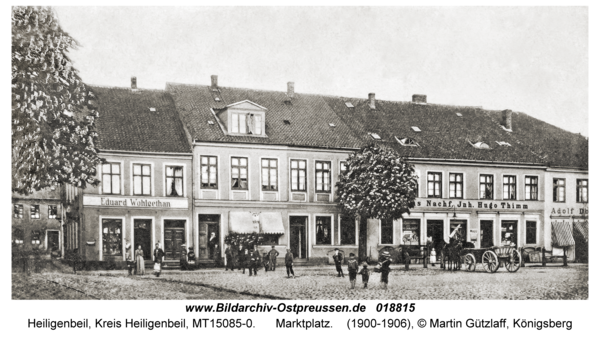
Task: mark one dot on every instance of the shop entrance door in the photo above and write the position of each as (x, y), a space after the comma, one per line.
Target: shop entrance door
(174, 238)
(53, 244)
(207, 224)
(486, 233)
(142, 236)
(298, 236)
(435, 230)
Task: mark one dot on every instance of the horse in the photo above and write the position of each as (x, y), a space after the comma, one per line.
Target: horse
(451, 253)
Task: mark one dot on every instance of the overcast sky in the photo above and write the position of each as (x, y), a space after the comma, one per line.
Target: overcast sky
(530, 59)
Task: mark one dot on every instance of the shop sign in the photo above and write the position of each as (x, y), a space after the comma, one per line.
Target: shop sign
(124, 202)
(568, 211)
(473, 205)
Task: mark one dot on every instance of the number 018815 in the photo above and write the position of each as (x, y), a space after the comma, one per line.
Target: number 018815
(395, 307)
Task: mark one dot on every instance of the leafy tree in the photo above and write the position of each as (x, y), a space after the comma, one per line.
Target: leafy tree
(378, 184)
(53, 116)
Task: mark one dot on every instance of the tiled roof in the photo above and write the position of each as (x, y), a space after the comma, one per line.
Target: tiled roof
(126, 122)
(308, 115)
(444, 134)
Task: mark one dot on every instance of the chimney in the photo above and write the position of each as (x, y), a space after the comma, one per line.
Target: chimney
(133, 83)
(419, 99)
(290, 89)
(507, 119)
(214, 81)
(372, 100)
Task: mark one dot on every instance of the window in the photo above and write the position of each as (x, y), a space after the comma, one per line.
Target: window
(239, 173)
(208, 172)
(343, 167)
(35, 211)
(411, 231)
(257, 124)
(347, 230)
(174, 182)
(111, 178)
(375, 136)
(141, 179)
(52, 211)
(509, 232)
(238, 123)
(270, 239)
(112, 237)
(387, 232)
(486, 186)
(323, 175)
(509, 188)
(18, 211)
(531, 188)
(298, 174)
(269, 174)
(35, 237)
(582, 190)
(456, 185)
(434, 184)
(559, 190)
(461, 232)
(407, 141)
(323, 230)
(18, 236)
(530, 232)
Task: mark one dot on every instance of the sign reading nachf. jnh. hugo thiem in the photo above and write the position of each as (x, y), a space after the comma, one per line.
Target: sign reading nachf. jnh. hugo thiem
(113, 201)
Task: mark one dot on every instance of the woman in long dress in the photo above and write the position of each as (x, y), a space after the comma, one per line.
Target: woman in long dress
(139, 261)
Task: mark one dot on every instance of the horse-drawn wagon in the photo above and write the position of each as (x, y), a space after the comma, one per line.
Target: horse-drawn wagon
(492, 258)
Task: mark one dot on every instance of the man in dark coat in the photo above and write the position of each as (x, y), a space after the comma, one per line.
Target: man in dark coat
(273, 254)
(213, 244)
(289, 262)
(254, 261)
(338, 258)
(385, 260)
(229, 257)
(265, 262)
(159, 255)
(243, 260)
(234, 255)
(191, 258)
(183, 260)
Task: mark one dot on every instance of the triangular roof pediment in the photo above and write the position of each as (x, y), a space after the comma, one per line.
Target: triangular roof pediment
(246, 104)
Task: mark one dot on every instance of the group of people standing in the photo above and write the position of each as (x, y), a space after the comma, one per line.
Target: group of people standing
(136, 263)
(251, 259)
(383, 267)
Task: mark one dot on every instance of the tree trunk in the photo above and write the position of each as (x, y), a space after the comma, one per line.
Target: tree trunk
(362, 239)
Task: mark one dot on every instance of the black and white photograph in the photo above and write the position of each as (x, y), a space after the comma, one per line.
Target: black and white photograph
(372, 155)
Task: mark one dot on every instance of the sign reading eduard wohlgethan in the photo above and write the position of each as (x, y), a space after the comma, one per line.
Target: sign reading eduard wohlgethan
(101, 201)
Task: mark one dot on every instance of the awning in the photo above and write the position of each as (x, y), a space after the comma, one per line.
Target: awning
(242, 223)
(562, 236)
(271, 223)
(582, 228)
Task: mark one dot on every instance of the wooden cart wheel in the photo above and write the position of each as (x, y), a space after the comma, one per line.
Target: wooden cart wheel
(490, 261)
(513, 261)
(470, 262)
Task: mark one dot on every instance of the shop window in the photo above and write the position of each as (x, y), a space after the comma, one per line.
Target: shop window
(141, 179)
(323, 230)
(460, 232)
(387, 232)
(52, 211)
(531, 188)
(558, 190)
(239, 173)
(509, 232)
(111, 178)
(486, 186)
(323, 176)
(35, 237)
(208, 172)
(456, 185)
(174, 181)
(298, 174)
(509, 188)
(18, 236)
(530, 232)
(112, 237)
(269, 239)
(582, 190)
(269, 174)
(434, 184)
(35, 211)
(411, 231)
(18, 211)
(347, 230)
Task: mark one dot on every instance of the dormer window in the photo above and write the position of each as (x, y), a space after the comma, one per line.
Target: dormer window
(481, 145)
(459, 114)
(415, 128)
(503, 143)
(152, 109)
(375, 136)
(406, 141)
(349, 105)
(243, 118)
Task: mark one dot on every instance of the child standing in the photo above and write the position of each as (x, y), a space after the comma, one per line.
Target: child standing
(352, 270)
(385, 260)
(365, 274)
